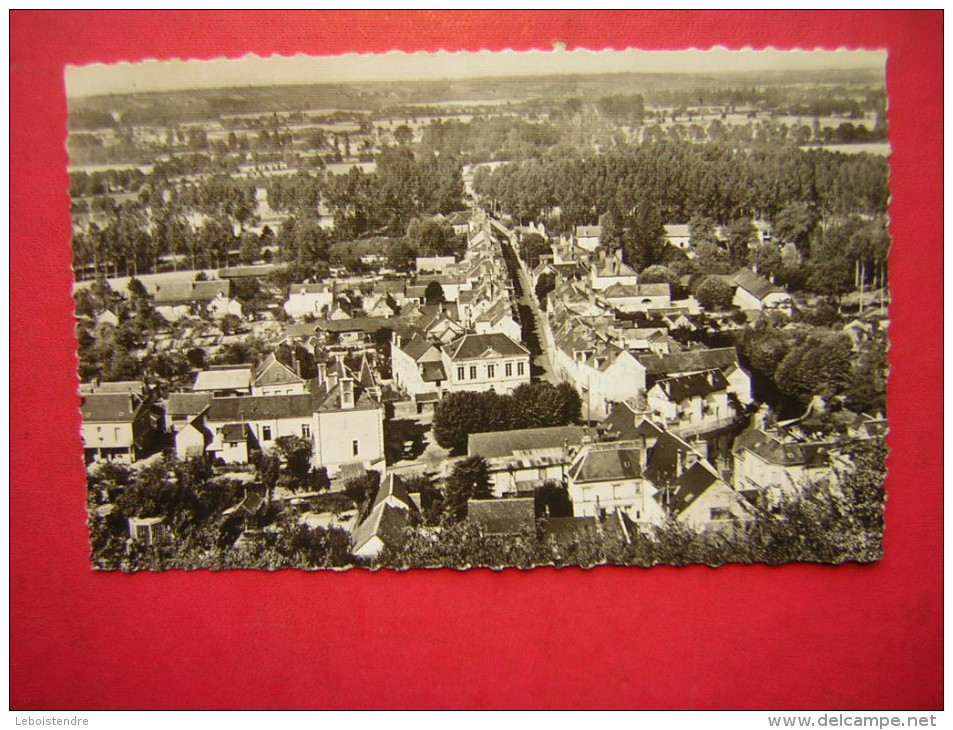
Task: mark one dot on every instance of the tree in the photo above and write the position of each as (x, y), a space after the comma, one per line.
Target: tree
(362, 490)
(765, 258)
(532, 247)
(295, 455)
(469, 479)
(714, 294)
(544, 285)
(820, 365)
(552, 500)
(795, 223)
(739, 236)
(433, 294)
(659, 274)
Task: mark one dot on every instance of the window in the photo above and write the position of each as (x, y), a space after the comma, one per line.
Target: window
(266, 433)
(490, 371)
(473, 375)
(461, 373)
(519, 368)
(355, 447)
(305, 431)
(116, 433)
(508, 369)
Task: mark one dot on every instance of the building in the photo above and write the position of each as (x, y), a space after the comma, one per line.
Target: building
(224, 380)
(486, 362)
(273, 377)
(116, 426)
(418, 369)
(679, 235)
(611, 270)
(630, 298)
(386, 522)
(522, 459)
(693, 403)
(770, 462)
(309, 299)
(435, 264)
(588, 237)
(724, 359)
(177, 299)
(753, 291)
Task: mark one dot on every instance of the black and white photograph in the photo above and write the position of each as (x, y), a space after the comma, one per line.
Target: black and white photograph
(482, 310)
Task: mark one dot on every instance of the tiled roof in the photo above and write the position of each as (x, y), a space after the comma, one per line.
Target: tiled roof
(187, 404)
(690, 486)
(275, 372)
(238, 378)
(355, 324)
(751, 282)
(393, 486)
(503, 516)
(232, 432)
(689, 361)
(433, 372)
(680, 387)
(260, 407)
(110, 407)
(472, 347)
(626, 425)
(136, 387)
(604, 462)
(384, 522)
(495, 444)
(785, 453)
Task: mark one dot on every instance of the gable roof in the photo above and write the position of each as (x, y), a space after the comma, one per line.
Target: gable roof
(432, 372)
(392, 487)
(275, 372)
(753, 283)
(785, 453)
(503, 516)
(473, 347)
(136, 387)
(495, 444)
(693, 482)
(417, 347)
(385, 523)
(624, 424)
(110, 407)
(666, 456)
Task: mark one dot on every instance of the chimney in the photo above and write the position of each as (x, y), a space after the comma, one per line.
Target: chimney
(322, 373)
(643, 453)
(679, 464)
(347, 394)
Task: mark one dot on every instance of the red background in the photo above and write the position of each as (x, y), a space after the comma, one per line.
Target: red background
(739, 637)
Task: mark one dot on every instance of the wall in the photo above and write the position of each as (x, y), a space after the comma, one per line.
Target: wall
(335, 431)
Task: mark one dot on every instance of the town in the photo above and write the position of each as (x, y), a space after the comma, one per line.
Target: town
(629, 328)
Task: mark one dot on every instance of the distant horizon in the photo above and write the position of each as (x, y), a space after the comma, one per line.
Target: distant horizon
(154, 76)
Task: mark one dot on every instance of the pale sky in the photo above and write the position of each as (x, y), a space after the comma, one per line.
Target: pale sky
(256, 71)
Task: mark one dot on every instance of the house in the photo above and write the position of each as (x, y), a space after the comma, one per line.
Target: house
(724, 359)
(503, 516)
(771, 461)
(753, 291)
(181, 408)
(588, 237)
(224, 380)
(693, 403)
(491, 361)
(522, 459)
(629, 298)
(305, 299)
(498, 318)
(348, 421)
(460, 221)
(386, 522)
(418, 369)
(177, 299)
(679, 236)
(193, 439)
(611, 270)
(352, 332)
(650, 479)
(116, 426)
(262, 418)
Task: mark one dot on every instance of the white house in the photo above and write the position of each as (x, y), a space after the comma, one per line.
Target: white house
(755, 292)
(491, 361)
(177, 299)
(224, 380)
(305, 299)
(772, 462)
(387, 520)
(678, 235)
(693, 403)
(588, 237)
(273, 377)
(435, 264)
(116, 426)
(630, 298)
(612, 271)
(418, 368)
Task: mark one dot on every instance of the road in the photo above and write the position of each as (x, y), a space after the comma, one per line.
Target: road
(531, 316)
